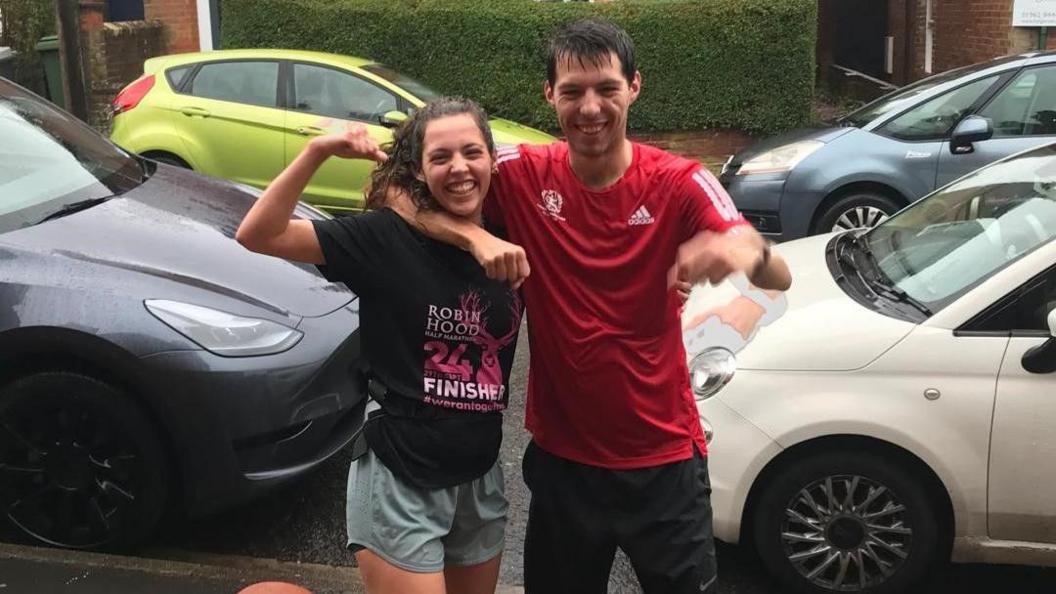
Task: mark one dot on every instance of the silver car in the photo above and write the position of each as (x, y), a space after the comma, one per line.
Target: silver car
(861, 169)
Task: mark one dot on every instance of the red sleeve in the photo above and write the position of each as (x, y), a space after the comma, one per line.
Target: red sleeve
(506, 158)
(706, 205)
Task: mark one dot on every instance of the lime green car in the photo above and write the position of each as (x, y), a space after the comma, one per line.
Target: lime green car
(244, 115)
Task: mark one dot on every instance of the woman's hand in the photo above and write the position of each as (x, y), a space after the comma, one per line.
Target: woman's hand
(354, 143)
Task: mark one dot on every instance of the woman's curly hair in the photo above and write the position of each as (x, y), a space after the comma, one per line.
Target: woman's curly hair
(405, 152)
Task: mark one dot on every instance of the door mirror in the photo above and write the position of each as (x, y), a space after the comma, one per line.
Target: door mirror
(972, 129)
(1042, 358)
(392, 119)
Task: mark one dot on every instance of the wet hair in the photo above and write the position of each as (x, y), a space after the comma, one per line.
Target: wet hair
(590, 41)
(408, 143)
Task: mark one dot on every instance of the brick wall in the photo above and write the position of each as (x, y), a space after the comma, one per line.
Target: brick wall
(970, 31)
(180, 18)
(116, 52)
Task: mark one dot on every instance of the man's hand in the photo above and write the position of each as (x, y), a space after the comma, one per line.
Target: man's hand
(713, 256)
(502, 260)
(354, 143)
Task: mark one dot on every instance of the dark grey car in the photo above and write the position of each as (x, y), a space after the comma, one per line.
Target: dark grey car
(146, 358)
(871, 163)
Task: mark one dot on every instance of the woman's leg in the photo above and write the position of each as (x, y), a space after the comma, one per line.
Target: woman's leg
(383, 577)
(473, 579)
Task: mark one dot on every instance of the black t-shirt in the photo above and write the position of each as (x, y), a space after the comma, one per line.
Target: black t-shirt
(438, 334)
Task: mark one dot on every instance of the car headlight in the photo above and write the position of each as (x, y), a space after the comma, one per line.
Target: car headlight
(780, 159)
(222, 333)
(710, 370)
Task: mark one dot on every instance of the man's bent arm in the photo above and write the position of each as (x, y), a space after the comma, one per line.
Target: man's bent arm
(502, 260)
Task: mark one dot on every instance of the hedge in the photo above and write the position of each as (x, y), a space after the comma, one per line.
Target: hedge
(745, 64)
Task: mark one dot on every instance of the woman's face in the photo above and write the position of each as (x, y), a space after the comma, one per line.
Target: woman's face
(456, 164)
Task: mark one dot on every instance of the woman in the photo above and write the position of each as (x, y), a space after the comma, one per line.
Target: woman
(426, 510)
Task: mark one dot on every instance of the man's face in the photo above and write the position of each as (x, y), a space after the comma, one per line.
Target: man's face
(592, 101)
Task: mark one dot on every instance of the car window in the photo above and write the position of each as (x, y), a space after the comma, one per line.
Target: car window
(255, 83)
(900, 99)
(414, 87)
(1027, 106)
(947, 243)
(332, 93)
(934, 119)
(48, 158)
(1027, 309)
(177, 75)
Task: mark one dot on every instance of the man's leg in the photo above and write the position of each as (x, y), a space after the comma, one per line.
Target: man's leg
(669, 542)
(569, 547)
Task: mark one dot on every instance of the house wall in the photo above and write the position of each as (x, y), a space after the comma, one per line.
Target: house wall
(180, 18)
(116, 52)
(970, 31)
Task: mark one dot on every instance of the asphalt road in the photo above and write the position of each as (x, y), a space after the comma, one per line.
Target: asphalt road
(305, 523)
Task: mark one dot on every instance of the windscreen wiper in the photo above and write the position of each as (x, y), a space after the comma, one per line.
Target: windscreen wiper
(898, 295)
(68, 209)
(878, 285)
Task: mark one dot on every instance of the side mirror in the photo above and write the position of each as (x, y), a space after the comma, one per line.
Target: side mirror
(393, 118)
(1042, 358)
(972, 129)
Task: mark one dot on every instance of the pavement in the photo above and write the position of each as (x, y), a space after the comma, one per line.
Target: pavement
(36, 570)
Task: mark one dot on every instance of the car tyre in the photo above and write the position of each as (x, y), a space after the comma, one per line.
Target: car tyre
(861, 520)
(81, 465)
(855, 211)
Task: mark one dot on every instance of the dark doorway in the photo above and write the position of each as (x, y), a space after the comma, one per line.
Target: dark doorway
(124, 10)
(860, 29)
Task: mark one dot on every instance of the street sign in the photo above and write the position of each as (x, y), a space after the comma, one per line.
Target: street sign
(1034, 13)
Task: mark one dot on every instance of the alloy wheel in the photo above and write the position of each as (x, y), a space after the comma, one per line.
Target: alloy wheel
(68, 475)
(859, 217)
(845, 533)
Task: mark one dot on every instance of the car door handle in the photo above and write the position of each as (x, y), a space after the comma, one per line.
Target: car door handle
(310, 131)
(195, 111)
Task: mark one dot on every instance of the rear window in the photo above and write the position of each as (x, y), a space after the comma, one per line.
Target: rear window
(255, 83)
(177, 76)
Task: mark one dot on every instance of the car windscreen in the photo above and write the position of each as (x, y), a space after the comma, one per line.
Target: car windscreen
(406, 83)
(897, 101)
(49, 159)
(942, 246)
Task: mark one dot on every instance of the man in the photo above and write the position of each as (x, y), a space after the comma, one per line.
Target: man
(611, 228)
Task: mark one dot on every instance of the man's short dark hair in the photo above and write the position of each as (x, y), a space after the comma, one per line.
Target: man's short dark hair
(590, 40)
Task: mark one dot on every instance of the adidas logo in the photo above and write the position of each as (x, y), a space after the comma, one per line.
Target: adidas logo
(641, 217)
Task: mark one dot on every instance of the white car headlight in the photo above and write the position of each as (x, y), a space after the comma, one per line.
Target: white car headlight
(780, 159)
(222, 333)
(710, 370)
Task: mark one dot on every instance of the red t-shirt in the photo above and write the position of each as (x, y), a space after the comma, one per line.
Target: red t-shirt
(608, 384)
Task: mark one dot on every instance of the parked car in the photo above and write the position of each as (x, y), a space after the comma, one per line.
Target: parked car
(863, 168)
(244, 115)
(896, 404)
(149, 361)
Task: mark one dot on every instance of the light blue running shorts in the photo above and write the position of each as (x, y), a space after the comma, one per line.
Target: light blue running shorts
(421, 530)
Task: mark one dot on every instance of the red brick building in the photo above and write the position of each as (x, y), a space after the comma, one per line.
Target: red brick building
(189, 25)
(899, 41)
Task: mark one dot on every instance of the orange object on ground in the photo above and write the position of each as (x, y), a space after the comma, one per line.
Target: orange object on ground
(273, 588)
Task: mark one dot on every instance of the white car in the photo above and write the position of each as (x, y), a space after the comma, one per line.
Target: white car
(897, 406)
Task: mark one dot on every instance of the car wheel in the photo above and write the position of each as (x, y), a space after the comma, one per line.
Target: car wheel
(861, 210)
(81, 466)
(848, 521)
